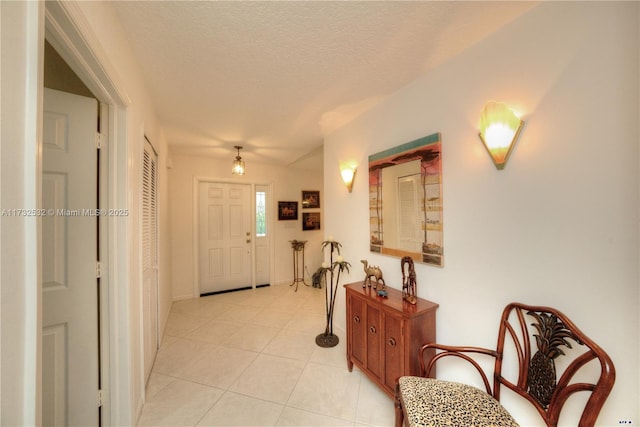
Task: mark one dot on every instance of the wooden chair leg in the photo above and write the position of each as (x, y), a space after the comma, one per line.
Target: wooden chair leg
(398, 408)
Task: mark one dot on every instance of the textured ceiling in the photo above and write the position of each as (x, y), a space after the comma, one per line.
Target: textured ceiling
(276, 76)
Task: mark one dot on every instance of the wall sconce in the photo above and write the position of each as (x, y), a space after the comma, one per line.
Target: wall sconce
(348, 174)
(499, 130)
(238, 163)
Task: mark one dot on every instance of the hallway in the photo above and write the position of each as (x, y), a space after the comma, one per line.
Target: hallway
(249, 358)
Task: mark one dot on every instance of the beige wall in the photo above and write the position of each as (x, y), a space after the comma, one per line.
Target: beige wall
(558, 226)
(287, 182)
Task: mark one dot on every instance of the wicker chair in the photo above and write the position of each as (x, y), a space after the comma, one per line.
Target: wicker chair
(422, 401)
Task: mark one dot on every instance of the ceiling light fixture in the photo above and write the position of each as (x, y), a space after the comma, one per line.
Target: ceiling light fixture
(238, 163)
(499, 130)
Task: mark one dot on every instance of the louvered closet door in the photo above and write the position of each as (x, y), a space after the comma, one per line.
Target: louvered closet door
(150, 255)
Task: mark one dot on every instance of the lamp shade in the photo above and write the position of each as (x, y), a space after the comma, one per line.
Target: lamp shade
(348, 173)
(238, 163)
(499, 130)
(238, 167)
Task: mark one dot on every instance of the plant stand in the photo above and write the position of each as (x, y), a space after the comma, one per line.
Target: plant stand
(298, 272)
(327, 341)
(328, 338)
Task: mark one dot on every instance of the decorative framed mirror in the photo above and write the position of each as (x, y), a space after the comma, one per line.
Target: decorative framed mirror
(405, 201)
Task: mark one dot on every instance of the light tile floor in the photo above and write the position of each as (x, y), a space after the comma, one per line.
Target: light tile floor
(249, 358)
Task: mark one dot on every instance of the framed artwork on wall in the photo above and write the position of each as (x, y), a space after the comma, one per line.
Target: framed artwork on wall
(310, 199)
(310, 221)
(287, 211)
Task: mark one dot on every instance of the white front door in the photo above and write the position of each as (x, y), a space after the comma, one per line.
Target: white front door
(224, 236)
(70, 367)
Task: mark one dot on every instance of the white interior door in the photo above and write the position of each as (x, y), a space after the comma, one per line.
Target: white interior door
(70, 364)
(225, 236)
(149, 255)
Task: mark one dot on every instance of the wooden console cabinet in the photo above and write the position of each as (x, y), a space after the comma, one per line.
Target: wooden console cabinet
(385, 334)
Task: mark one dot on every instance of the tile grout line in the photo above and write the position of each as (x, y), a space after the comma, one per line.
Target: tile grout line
(302, 310)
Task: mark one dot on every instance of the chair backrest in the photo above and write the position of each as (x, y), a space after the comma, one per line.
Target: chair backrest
(540, 336)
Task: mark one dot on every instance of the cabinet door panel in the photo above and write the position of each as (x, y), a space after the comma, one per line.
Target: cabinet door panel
(374, 363)
(393, 350)
(358, 331)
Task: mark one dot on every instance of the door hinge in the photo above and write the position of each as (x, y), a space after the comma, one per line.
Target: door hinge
(98, 269)
(99, 398)
(98, 141)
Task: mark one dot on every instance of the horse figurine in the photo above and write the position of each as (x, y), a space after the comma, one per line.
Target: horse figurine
(408, 280)
(372, 271)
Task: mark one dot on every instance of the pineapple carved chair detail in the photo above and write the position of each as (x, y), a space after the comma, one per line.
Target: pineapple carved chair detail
(537, 337)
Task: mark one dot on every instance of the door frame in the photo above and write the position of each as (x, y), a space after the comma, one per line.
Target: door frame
(197, 180)
(68, 32)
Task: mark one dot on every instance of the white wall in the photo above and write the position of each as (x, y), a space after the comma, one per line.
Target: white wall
(288, 183)
(559, 226)
(21, 49)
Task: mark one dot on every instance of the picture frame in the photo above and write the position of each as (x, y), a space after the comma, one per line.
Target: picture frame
(417, 166)
(310, 199)
(287, 211)
(310, 221)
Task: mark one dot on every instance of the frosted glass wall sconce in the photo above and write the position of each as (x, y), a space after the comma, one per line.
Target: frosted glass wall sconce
(348, 174)
(499, 130)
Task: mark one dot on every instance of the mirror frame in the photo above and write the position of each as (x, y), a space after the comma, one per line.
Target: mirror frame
(429, 151)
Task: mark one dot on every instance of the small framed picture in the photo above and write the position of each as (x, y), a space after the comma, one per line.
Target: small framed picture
(310, 199)
(287, 211)
(310, 221)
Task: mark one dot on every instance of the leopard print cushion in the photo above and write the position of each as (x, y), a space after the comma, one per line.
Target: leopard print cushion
(435, 403)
